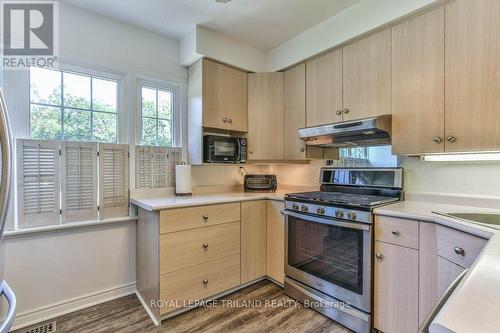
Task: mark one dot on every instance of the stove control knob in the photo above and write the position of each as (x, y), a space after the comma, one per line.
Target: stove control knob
(305, 209)
(351, 216)
(339, 214)
(295, 207)
(320, 211)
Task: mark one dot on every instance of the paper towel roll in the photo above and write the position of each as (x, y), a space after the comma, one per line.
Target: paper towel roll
(183, 179)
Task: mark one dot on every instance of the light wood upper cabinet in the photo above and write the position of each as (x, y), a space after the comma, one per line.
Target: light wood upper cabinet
(395, 289)
(324, 89)
(253, 240)
(237, 100)
(418, 84)
(367, 77)
(295, 111)
(275, 241)
(472, 75)
(266, 115)
(225, 97)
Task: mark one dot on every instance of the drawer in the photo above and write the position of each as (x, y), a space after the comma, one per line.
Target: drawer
(396, 231)
(458, 247)
(193, 247)
(198, 282)
(178, 219)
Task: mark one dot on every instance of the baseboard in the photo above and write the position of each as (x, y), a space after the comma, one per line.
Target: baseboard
(45, 313)
(148, 310)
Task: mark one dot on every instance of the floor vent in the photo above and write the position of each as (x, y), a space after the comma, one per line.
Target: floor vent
(43, 328)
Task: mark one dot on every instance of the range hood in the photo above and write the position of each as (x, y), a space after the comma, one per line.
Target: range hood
(373, 131)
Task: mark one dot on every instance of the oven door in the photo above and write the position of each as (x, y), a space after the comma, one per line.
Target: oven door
(330, 255)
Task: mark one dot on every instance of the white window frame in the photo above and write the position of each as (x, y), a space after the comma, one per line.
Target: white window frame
(121, 136)
(177, 121)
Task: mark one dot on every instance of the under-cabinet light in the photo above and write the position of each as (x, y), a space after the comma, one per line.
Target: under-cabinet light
(462, 157)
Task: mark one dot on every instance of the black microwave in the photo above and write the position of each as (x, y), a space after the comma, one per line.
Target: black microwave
(224, 149)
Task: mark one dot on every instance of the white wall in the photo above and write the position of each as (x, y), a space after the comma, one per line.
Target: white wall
(47, 269)
(360, 18)
(203, 42)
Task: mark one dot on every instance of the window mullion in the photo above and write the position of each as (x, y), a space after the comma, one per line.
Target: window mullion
(62, 106)
(157, 121)
(91, 111)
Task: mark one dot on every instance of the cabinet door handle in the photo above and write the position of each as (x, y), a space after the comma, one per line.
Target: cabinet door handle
(205, 282)
(451, 139)
(438, 139)
(338, 112)
(302, 149)
(205, 245)
(250, 151)
(396, 233)
(230, 121)
(346, 111)
(379, 256)
(224, 119)
(460, 251)
(205, 217)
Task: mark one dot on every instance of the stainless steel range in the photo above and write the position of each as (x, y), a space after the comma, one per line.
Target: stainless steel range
(329, 241)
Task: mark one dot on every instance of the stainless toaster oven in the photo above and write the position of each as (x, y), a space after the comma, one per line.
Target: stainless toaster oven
(260, 183)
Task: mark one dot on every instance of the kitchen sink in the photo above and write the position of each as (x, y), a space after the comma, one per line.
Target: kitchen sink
(484, 218)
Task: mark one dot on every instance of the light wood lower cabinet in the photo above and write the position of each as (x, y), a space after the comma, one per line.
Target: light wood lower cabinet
(415, 262)
(253, 240)
(447, 272)
(188, 248)
(396, 288)
(275, 241)
(190, 254)
(199, 282)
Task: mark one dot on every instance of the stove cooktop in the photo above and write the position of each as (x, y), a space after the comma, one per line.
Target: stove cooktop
(342, 198)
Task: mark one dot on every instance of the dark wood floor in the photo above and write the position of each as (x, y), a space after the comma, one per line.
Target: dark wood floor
(276, 313)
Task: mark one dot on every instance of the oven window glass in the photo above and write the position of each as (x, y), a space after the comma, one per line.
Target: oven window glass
(331, 253)
(224, 148)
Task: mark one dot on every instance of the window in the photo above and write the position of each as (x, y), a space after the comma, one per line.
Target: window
(157, 113)
(357, 152)
(70, 106)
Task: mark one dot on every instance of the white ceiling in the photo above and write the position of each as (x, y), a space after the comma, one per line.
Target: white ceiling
(263, 24)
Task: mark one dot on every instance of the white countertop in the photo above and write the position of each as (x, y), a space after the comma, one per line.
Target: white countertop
(474, 305)
(172, 201)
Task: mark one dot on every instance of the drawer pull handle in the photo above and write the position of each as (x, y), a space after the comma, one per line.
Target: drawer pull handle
(379, 256)
(396, 233)
(205, 246)
(205, 217)
(205, 282)
(460, 251)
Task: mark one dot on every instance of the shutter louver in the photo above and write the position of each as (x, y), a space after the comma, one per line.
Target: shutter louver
(160, 167)
(113, 180)
(79, 189)
(38, 183)
(174, 158)
(155, 166)
(143, 167)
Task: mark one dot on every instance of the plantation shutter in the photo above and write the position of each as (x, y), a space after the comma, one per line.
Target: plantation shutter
(155, 166)
(79, 190)
(113, 180)
(174, 158)
(143, 167)
(38, 182)
(160, 167)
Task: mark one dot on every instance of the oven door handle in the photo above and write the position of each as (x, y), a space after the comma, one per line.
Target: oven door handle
(321, 220)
